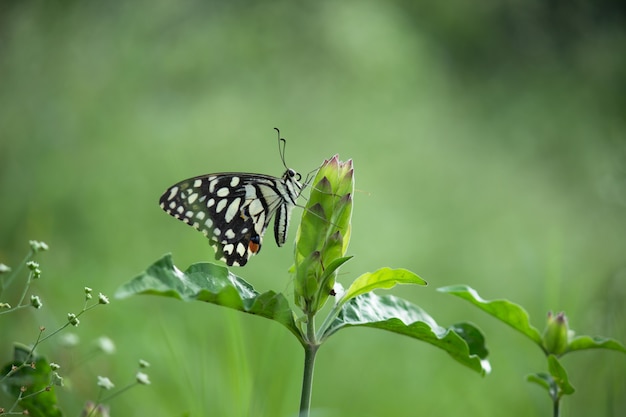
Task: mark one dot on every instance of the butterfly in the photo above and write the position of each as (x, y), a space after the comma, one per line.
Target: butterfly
(233, 209)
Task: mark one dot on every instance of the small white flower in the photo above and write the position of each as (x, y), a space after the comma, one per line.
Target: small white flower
(37, 246)
(106, 345)
(142, 378)
(105, 382)
(35, 301)
(71, 317)
(70, 339)
(103, 299)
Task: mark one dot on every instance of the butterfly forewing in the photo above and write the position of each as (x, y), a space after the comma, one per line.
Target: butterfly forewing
(234, 209)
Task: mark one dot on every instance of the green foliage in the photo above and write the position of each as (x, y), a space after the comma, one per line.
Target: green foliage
(29, 379)
(504, 310)
(321, 244)
(594, 342)
(210, 283)
(478, 161)
(31, 385)
(382, 278)
(399, 316)
(515, 316)
(557, 339)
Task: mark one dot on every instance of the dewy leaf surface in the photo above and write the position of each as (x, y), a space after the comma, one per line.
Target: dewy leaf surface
(399, 316)
(510, 313)
(213, 284)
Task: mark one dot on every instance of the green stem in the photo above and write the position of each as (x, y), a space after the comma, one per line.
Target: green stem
(555, 408)
(310, 350)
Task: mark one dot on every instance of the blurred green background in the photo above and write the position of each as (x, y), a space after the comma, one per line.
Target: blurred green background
(489, 143)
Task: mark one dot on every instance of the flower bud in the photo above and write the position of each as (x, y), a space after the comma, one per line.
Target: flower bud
(37, 246)
(35, 301)
(323, 234)
(555, 335)
(103, 299)
(71, 317)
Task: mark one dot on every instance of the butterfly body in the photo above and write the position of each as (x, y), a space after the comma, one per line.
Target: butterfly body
(234, 209)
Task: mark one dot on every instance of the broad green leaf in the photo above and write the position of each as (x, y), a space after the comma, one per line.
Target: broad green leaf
(474, 338)
(588, 342)
(382, 278)
(213, 284)
(559, 374)
(37, 378)
(510, 313)
(399, 316)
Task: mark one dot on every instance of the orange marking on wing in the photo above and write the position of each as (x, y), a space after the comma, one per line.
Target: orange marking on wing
(253, 247)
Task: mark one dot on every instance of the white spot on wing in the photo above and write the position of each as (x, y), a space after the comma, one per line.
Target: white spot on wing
(223, 192)
(200, 215)
(229, 234)
(212, 184)
(173, 192)
(192, 198)
(220, 206)
(233, 209)
(234, 181)
(197, 183)
(241, 249)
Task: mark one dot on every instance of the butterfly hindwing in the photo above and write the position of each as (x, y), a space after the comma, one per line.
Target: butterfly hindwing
(234, 209)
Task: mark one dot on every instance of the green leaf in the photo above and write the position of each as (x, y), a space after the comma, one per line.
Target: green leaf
(510, 313)
(213, 284)
(588, 342)
(399, 316)
(559, 374)
(545, 381)
(35, 379)
(473, 337)
(382, 278)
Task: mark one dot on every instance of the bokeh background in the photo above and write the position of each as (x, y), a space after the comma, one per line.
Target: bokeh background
(489, 142)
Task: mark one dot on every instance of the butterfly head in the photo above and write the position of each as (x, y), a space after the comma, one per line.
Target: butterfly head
(291, 175)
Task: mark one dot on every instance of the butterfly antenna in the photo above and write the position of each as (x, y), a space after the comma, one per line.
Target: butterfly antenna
(282, 144)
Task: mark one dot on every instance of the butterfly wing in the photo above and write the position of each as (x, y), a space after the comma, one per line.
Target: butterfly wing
(232, 209)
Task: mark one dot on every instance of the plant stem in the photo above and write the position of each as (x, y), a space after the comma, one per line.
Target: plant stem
(310, 350)
(555, 408)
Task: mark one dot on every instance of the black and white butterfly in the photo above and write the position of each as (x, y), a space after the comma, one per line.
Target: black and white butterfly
(233, 209)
